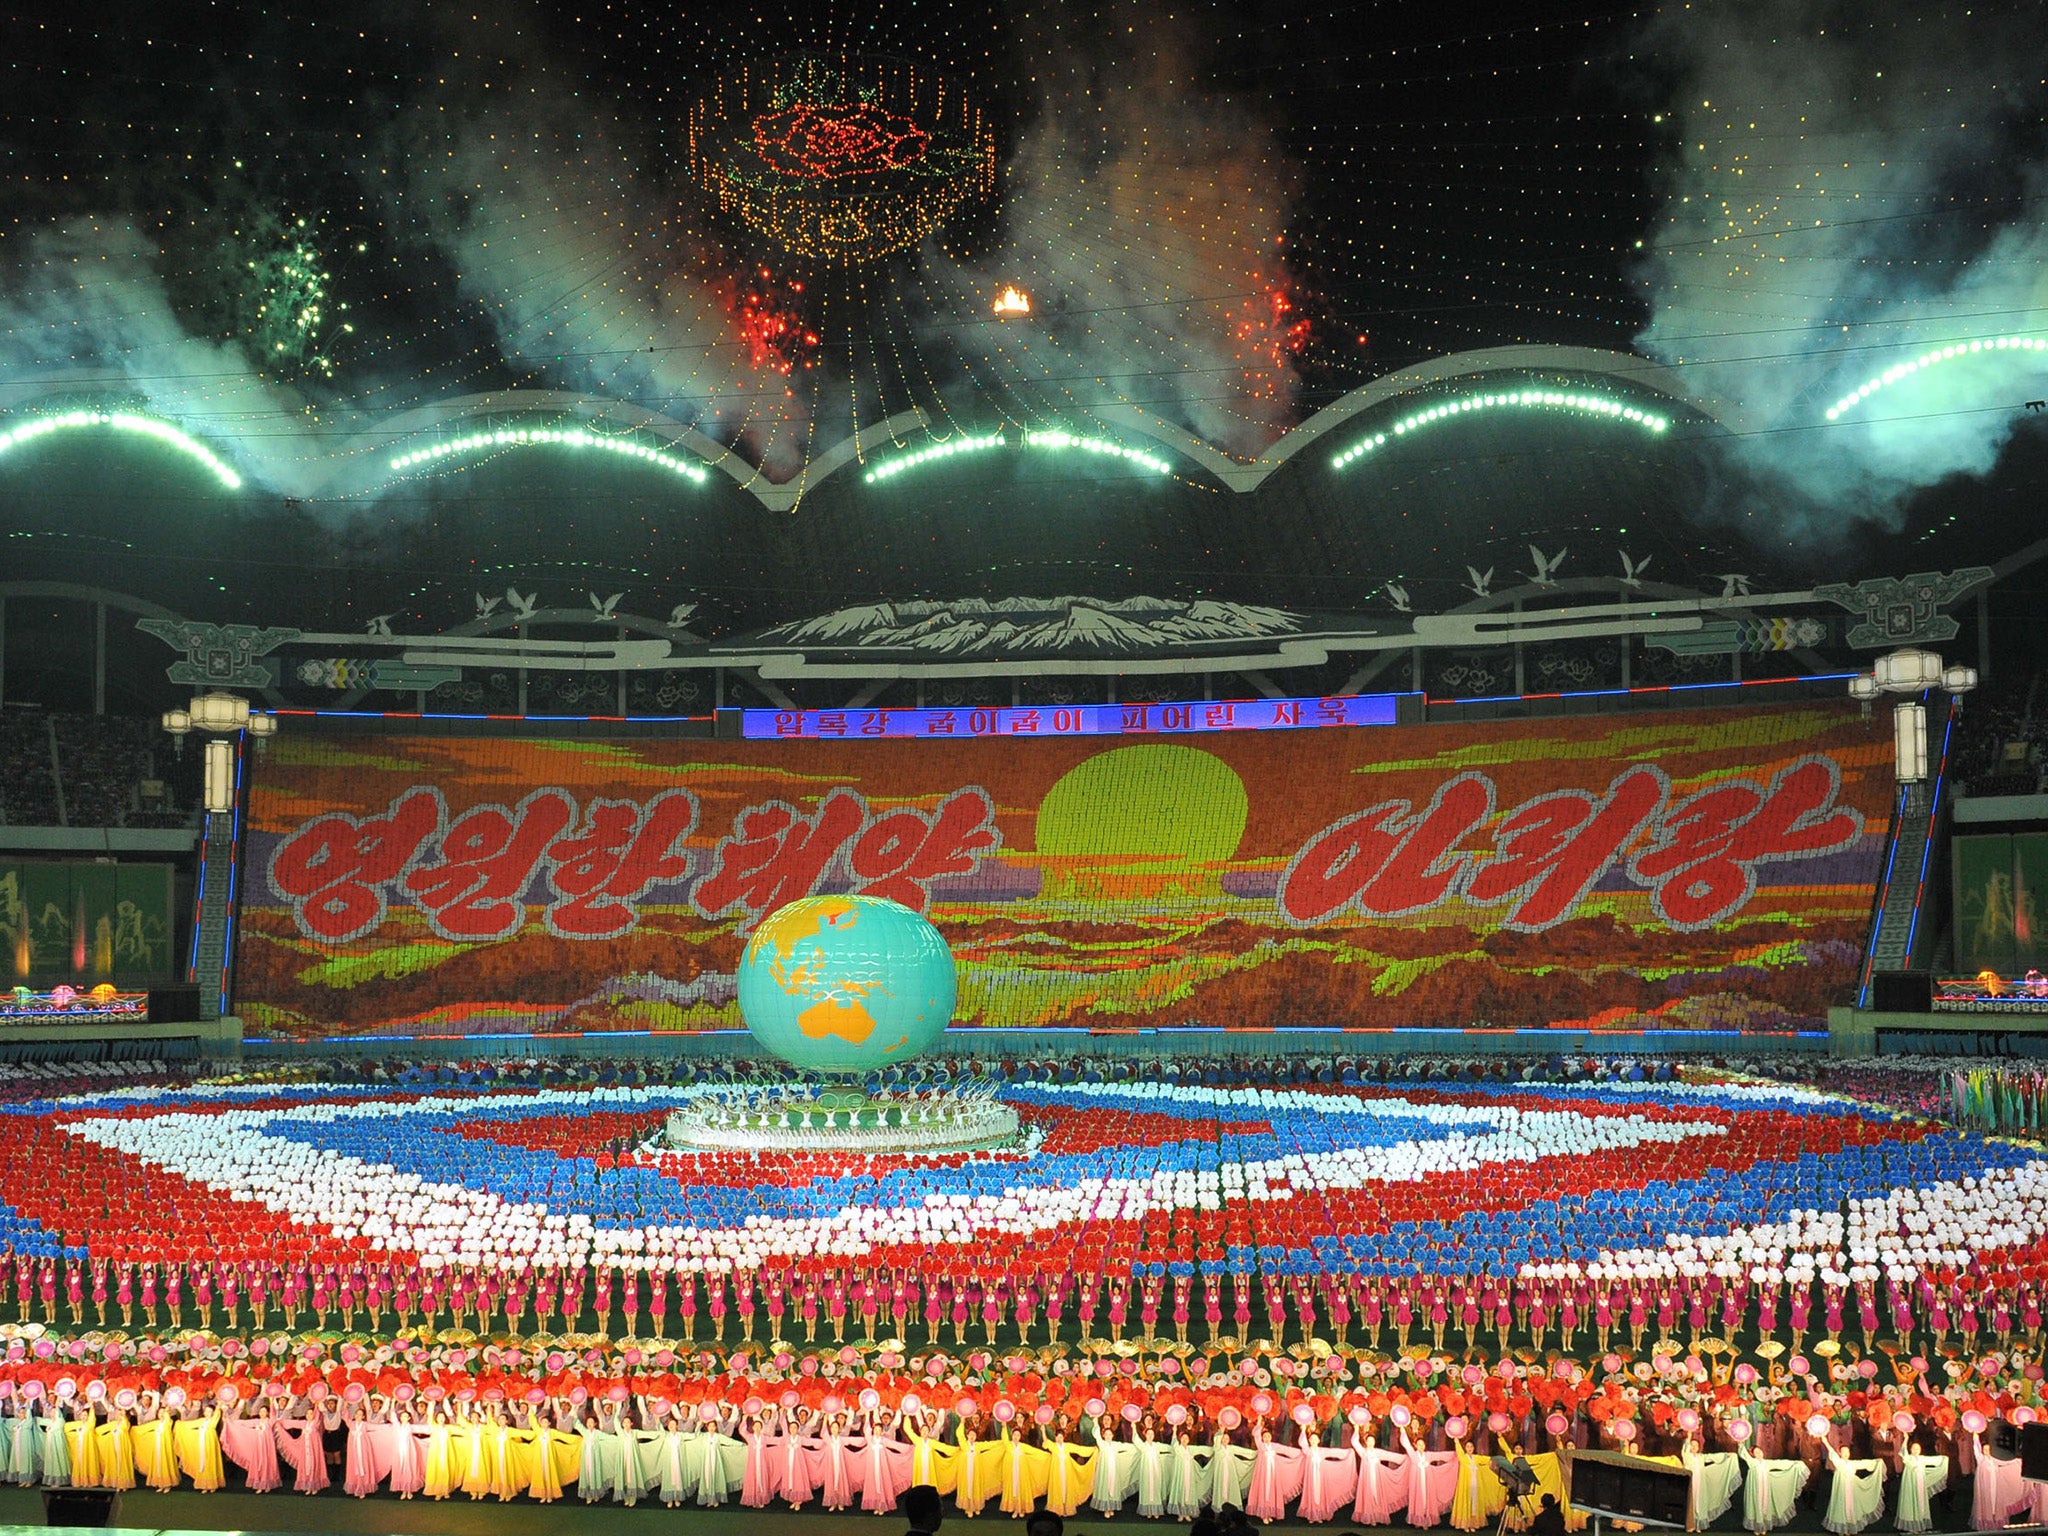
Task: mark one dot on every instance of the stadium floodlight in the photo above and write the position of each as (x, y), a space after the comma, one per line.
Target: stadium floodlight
(1910, 671)
(1909, 741)
(1907, 671)
(217, 783)
(218, 715)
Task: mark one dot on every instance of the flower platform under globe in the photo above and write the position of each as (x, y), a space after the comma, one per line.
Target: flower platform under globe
(821, 1119)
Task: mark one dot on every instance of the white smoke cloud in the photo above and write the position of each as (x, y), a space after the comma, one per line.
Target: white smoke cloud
(1144, 219)
(577, 261)
(1853, 187)
(85, 318)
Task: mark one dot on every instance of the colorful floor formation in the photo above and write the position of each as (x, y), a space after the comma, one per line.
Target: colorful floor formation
(1759, 1281)
(1293, 1184)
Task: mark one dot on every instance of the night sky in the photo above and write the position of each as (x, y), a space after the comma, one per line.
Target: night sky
(284, 227)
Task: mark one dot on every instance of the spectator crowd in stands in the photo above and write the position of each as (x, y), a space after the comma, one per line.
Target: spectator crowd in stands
(93, 771)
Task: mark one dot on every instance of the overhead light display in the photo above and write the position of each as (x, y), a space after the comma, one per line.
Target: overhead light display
(842, 158)
(37, 427)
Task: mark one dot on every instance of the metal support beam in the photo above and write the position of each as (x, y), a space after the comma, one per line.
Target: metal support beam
(1356, 682)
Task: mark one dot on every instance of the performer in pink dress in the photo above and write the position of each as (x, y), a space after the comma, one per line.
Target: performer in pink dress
(799, 1460)
(762, 1478)
(1329, 1478)
(629, 1300)
(249, 1440)
(1382, 1481)
(715, 1305)
(1276, 1476)
(884, 1466)
(838, 1486)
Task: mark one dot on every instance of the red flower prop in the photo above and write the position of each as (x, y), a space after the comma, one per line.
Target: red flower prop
(826, 142)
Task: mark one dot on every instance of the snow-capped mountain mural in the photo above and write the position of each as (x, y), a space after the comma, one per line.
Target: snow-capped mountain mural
(1022, 625)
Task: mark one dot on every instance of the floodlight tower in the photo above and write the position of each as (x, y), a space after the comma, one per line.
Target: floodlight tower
(219, 715)
(1908, 672)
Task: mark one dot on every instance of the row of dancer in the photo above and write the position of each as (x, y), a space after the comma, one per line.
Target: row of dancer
(956, 1305)
(1173, 1463)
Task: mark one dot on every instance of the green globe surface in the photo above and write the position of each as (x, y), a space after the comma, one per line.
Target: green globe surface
(845, 983)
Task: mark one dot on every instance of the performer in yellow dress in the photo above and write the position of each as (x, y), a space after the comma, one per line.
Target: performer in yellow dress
(565, 1450)
(198, 1442)
(116, 1451)
(156, 1456)
(932, 1462)
(84, 1445)
(1026, 1468)
(511, 1458)
(537, 1459)
(1070, 1475)
(981, 1472)
(473, 1456)
(1549, 1470)
(1480, 1496)
(438, 1469)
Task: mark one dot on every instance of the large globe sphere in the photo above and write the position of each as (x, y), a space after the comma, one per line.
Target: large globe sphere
(846, 983)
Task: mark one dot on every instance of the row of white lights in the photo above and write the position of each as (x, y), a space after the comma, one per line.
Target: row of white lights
(1050, 439)
(125, 421)
(946, 450)
(1931, 359)
(562, 437)
(1523, 399)
(575, 437)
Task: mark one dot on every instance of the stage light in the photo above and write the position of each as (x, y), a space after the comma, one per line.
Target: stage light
(547, 437)
(122, 421)
(1012, 301)
(1578, 403)
(1934, 358)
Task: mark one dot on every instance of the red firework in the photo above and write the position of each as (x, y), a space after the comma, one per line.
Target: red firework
(766, 315)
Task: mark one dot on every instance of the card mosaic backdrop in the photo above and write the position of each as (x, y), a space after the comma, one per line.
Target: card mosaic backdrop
(1706, 870)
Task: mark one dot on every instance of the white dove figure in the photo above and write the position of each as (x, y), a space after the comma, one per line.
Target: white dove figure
(1546, 570)
(680, 614)
(381, 624)
(1632, 570)
(605, 607)
(1734, 584)
(1481, 584)
(522, 607)
(485, 606)
(1398, 596)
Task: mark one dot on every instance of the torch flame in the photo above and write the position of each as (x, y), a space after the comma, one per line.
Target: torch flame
(1013, 301)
